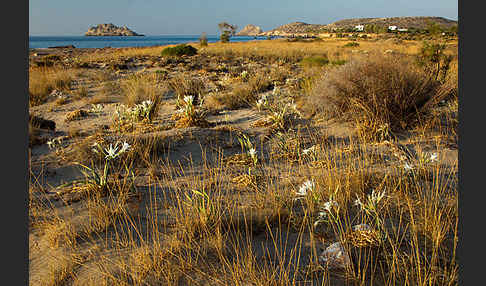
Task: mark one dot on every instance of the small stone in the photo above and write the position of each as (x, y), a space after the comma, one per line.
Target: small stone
(362, 227)
(335, 257)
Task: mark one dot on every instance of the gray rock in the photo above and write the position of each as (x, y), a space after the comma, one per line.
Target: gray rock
(335, 257)
(361, 227)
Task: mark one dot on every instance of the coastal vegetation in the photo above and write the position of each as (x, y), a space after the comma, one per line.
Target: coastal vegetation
(256, 163)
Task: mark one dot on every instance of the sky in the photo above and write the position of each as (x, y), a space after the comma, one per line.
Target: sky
(192, 17)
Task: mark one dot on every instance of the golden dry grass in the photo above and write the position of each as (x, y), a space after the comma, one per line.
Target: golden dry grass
(209, 222)
(42, 81)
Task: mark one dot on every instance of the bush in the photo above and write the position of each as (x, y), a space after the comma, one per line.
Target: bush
(352, 44)
(203, 40)
(225, 37)
(376, 91)
(314, 61)
(179, 50)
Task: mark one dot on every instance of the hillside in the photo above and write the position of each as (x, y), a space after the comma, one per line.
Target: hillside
(402, 22)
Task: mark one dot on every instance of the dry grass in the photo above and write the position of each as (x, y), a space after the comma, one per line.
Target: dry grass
(208, 222)
(42, 81)
(138, 88)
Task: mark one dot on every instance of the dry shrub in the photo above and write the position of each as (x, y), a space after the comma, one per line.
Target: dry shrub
(42, 81)
(376, 91)
(183, 85)
(138, 88)
(245, 94)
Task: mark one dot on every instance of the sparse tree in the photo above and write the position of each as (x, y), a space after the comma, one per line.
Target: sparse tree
(203, 40)
(227, 31)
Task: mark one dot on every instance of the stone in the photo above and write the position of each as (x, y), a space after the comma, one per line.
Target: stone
(42, 123)
(335, 256)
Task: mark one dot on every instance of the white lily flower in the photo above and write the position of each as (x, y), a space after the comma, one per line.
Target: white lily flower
(188, 99)
(124, 147)
(111, 152)
(252, 152)
(309, 150)
(328, 205)
(306, 186)
(433, 157)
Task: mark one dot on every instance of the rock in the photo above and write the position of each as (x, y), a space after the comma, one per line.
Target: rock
(335, 257)
(110, 30)
(42, 123)
(250, 30)
(361, 227)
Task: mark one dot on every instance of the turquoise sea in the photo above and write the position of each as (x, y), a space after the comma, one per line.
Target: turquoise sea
(36, 42)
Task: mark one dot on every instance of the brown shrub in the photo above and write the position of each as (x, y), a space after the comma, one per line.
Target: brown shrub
(376, 91)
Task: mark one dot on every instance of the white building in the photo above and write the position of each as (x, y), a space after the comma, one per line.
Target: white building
(359, 27)
(402, 30)
(392, 28)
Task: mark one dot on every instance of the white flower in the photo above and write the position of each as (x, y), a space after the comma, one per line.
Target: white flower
(50, 143)
(358, 202)
(328, 205)
(433, 157)
(309, 150)
(252, 152)
(111, 152)
(124, 147)
(306, 186)
(408, 167)
(376, 197)
(188, 99)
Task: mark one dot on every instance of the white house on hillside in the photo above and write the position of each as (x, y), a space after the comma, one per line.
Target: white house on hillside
(359, 27)
(402, 30)
(392, 28)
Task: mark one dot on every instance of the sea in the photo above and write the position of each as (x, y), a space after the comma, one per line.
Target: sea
(36, 42)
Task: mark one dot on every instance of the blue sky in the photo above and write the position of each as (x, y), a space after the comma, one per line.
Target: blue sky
(162, 17)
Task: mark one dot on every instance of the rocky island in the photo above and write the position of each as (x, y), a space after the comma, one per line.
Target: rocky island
(110, 30)
(250, 30)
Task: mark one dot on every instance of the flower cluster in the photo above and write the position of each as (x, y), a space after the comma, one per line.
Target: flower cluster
(137, 113)
(372, 201)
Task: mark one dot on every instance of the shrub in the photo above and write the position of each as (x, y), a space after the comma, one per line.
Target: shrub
(351, 44)
(314, 61)
(377, 91)
(203, 40)
(179, 50)
(225, 37)
(183, 86)
(141, 88)
(432, 58)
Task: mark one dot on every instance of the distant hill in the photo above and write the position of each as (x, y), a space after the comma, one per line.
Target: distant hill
(110, 30)
(401, 22)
